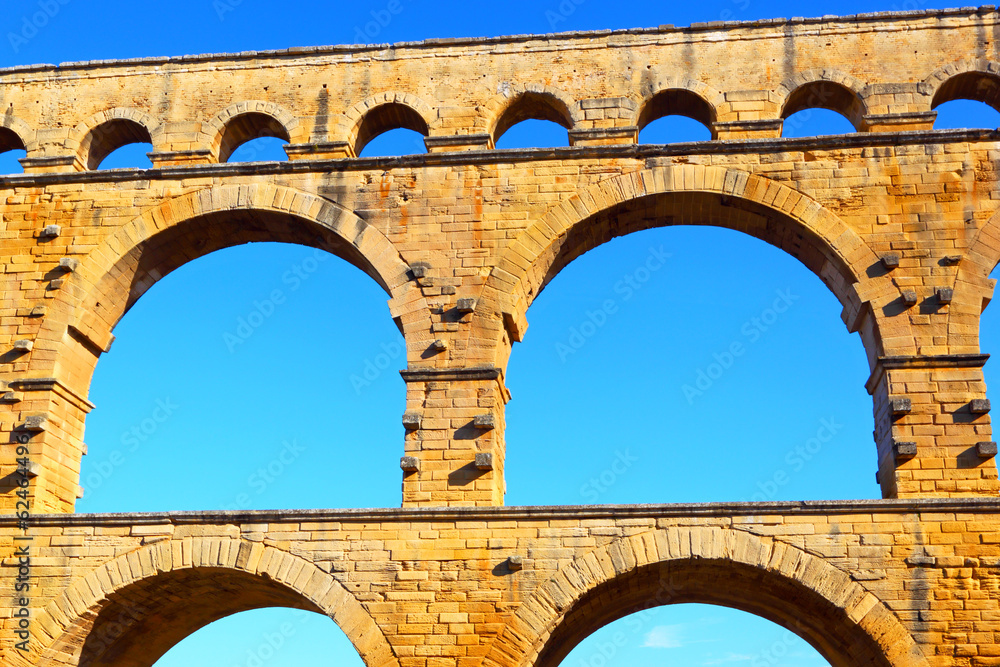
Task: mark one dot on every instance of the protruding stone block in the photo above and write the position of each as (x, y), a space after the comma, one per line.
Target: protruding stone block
(515, 563)
(909, 297)
(485, 422)
(69, 264)
(35, 423)
(38, 311)
(409, 463)
(23, 345)
(466, 305)
(484, 460)
(440, 345)
(411, 420)
(51, 231)
(979, 406)
(10, 397)
(904, 450)
(900, 405)
(420, 270)
(890, 261)
(986, 450)
(945, 294)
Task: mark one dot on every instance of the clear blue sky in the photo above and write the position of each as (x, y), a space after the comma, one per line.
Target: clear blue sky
(279, 422)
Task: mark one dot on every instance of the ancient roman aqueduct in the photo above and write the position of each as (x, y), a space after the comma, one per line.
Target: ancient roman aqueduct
(899, 220)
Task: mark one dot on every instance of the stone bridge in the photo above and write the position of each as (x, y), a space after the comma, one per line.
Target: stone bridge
(898, 220)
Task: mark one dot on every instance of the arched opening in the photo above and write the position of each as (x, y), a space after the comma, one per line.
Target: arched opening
(236, 383)
(675, 115)
(693, 634)
(968, 100)
(680, 364)
(962, 114)
(532, 106)
(816, 123)
(825, 626)
(382, 120)
(128, 140)
(139, 621)
(976, 86)
(264, 321)
(11, 151)
(399, 141)
(816, 96)
(262, 149)
(248, 127)
(276, 637)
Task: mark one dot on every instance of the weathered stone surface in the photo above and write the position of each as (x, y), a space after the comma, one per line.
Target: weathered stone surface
(898, 220)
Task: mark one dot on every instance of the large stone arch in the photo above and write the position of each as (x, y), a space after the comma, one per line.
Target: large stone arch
(802, 227)
(973, 290)
(103, 615)
(837, 615)
(304, 218)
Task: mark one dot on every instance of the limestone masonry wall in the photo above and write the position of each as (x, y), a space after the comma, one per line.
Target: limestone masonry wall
(898, 220)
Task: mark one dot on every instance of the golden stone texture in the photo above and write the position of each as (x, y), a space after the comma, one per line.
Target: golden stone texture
(898, 220)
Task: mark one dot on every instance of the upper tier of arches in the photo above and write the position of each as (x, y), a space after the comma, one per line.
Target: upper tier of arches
(729, 115)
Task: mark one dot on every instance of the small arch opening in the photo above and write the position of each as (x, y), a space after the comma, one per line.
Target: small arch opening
(975, 86)
(249, 127)
(693, 634)
(127, 140)
(677, 113)
(388, 119)
(11, 151)
(816, 96)
(399, 141)
(816, 122)
(674, 129)
(275, 636)
(966, 114)
(261, 149)
(534, 134)
(535, 107)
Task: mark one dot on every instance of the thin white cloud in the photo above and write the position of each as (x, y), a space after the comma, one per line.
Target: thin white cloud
(664, 636)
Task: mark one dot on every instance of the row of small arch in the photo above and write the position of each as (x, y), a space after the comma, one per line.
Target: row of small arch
(104, 132)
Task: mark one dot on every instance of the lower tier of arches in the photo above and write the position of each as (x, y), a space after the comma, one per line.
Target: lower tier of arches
(868, 583)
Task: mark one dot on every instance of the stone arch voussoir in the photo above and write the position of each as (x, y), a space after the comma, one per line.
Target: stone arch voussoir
(714, 98)
(940, 76)
(80, 132)
(387, 266)
(515, 280)
(64, 623)
(214, 129)
(510, 92)
(526, 632)
(24, 131)
(799, 79)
